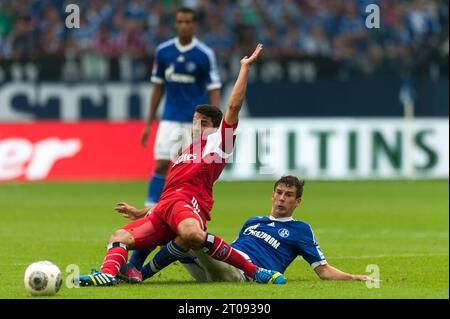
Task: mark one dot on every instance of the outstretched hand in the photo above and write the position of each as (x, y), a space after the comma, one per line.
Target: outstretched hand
(365, 278)
(126, 210)
(249, 60)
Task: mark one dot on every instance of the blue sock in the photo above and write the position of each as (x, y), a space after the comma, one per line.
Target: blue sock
(138, 258)
(155, 188)
(167, 255)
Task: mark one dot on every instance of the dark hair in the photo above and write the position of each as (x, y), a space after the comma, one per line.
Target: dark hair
(211, 111)
(187, 10)
(291, 181)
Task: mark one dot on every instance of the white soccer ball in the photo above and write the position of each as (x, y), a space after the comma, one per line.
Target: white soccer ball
(42, 278)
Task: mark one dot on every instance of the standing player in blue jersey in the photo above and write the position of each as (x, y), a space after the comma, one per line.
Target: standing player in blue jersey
(271, 242)
(185, 69)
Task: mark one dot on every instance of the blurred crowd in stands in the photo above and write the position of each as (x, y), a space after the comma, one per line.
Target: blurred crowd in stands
(411, 31)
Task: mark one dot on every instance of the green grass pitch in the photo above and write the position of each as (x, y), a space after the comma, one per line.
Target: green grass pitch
(401, 226)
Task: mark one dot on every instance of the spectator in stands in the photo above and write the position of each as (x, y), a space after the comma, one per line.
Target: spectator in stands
(84, 35)
(103, 44)
(412, 32)
(317, 43)
(6, 21)
(23, 41)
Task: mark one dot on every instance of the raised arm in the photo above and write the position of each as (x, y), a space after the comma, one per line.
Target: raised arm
(240, 87)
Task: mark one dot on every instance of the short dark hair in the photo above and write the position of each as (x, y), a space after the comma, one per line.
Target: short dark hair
(211, 111)
(188, 11)
(289, 181)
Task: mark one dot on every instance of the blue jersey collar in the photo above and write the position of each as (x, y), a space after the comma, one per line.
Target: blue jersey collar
(281, 219)
(187, 47)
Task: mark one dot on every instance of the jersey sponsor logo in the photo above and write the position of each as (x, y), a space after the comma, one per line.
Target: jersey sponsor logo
(185, 158)
(171, 76)
(251, 231)
(283, 232)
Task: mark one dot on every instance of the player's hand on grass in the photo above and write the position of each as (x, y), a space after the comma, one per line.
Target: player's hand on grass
(127, 211)
(364, 278)
(249, 60)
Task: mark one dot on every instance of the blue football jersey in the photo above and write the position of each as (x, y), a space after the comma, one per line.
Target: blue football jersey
(187, 72)
(274, 243)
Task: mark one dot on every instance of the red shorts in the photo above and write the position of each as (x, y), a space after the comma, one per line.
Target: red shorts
(161, 226)
(178, 208)
(149, 232)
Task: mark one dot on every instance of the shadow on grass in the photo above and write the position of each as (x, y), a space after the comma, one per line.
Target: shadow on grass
(193, 282)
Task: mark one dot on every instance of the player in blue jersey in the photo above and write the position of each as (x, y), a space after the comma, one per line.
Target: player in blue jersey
(271, 242)
(185, 70)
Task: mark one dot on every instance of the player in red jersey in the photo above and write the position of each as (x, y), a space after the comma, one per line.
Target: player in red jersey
(187, 199)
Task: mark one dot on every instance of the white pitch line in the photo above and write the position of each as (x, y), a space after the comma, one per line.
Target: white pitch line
(27, 264)
(388, 256)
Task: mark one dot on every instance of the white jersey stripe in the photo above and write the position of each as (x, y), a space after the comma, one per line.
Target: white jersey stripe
(214, 73)
(165, 44)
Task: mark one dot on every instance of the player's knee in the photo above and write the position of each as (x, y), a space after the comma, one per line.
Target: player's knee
(185, 245)
(116, 236)
(121, 236)
(194, 237)
(161, 167)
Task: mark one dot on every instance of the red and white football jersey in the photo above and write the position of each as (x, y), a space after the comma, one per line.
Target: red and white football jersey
(194, 172)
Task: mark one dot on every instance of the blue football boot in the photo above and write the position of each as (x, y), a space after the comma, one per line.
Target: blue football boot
(264, 276)
(96, 278)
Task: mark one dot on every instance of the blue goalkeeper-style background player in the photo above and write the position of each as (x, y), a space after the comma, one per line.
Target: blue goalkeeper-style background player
(271, 242)
(185, 70)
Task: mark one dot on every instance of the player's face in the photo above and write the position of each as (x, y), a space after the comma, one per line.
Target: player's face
(202, 126)
(185, 25)
(284, 201)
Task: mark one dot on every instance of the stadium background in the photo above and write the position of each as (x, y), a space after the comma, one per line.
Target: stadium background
(329, 100)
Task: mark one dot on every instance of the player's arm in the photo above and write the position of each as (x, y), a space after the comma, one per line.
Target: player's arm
(214, 97)
(131, 212)
(310, 251)
(328, 272)
(158, 92)
(240, 88)
(157, 79)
